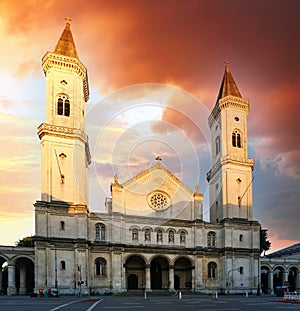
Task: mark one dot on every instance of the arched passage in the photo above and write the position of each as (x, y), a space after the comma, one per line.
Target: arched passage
(182, 273)
(278, 276)
(135, 272)
(24, 275)
(159, 273)
(292, 278)
(264, 272)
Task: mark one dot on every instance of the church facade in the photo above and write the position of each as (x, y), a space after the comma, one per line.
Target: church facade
(152, 235)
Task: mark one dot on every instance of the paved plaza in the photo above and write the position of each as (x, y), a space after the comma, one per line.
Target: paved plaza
(191, 303)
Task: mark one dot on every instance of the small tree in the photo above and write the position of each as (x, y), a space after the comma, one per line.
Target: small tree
(265, 244)
(26, 242)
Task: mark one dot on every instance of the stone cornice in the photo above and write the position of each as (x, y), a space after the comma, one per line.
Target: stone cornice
(234, 102)
(72, 64)
(49, 129)
(237, 160)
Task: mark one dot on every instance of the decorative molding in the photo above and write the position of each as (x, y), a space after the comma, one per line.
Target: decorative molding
(51, 129)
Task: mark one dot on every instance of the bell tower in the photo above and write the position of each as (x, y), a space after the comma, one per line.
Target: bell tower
(230, 179)
(64, 142)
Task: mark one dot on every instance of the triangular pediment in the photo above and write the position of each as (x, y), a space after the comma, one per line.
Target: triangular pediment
(155, 192)
(154, 178)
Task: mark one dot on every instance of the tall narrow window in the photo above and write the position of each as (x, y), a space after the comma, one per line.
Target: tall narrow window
(67, 107)
(97, 232)
(236, 139)
(218, 146)
(63, 265)
(62, 225)
(211, 239)
(212, 270)
(60, 106)
(241, 238)
(103, 233)
(63, 106)
(100, 231)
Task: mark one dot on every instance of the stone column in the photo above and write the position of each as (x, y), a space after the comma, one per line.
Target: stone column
(270, 282)
(148, 278)
(171, 278)
(285, 276)
(22, 289)
(11, 289)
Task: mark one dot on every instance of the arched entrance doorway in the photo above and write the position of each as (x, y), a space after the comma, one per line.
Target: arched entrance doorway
(182, 273)
(135, 272)
(159, 273)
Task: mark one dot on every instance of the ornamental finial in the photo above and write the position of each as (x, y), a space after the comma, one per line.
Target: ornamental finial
(158, 158)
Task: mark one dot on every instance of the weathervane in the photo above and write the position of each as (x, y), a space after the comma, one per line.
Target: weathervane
(68, 19)
(158, 158)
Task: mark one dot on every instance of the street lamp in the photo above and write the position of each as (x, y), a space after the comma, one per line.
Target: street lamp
(55, 264)
(228, 278)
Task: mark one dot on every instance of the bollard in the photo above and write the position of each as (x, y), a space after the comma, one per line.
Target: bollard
(180, 295)
(246, 294)
(216, 295)
(145, 295)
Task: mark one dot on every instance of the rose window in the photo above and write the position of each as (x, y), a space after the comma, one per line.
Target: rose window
(158, 201)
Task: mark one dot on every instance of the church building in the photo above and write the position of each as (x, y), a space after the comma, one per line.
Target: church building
(152, 235)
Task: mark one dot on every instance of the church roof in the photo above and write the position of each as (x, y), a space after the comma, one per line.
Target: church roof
(228, 85)
(290, 251)
(65, 45)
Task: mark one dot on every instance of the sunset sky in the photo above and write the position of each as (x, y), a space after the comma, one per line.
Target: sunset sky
(155, 69)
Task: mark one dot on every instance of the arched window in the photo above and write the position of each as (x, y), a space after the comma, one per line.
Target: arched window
(100, 231)
(100, 266)
(159, 235)
(212, 270)
(63, 265)
(182, 237)
(147, 235)
(211, 239)
(241, 269)
(218, 145)
(63, 106)
(135, 235)
(62, 225)
(171, 236)
(236, 139)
